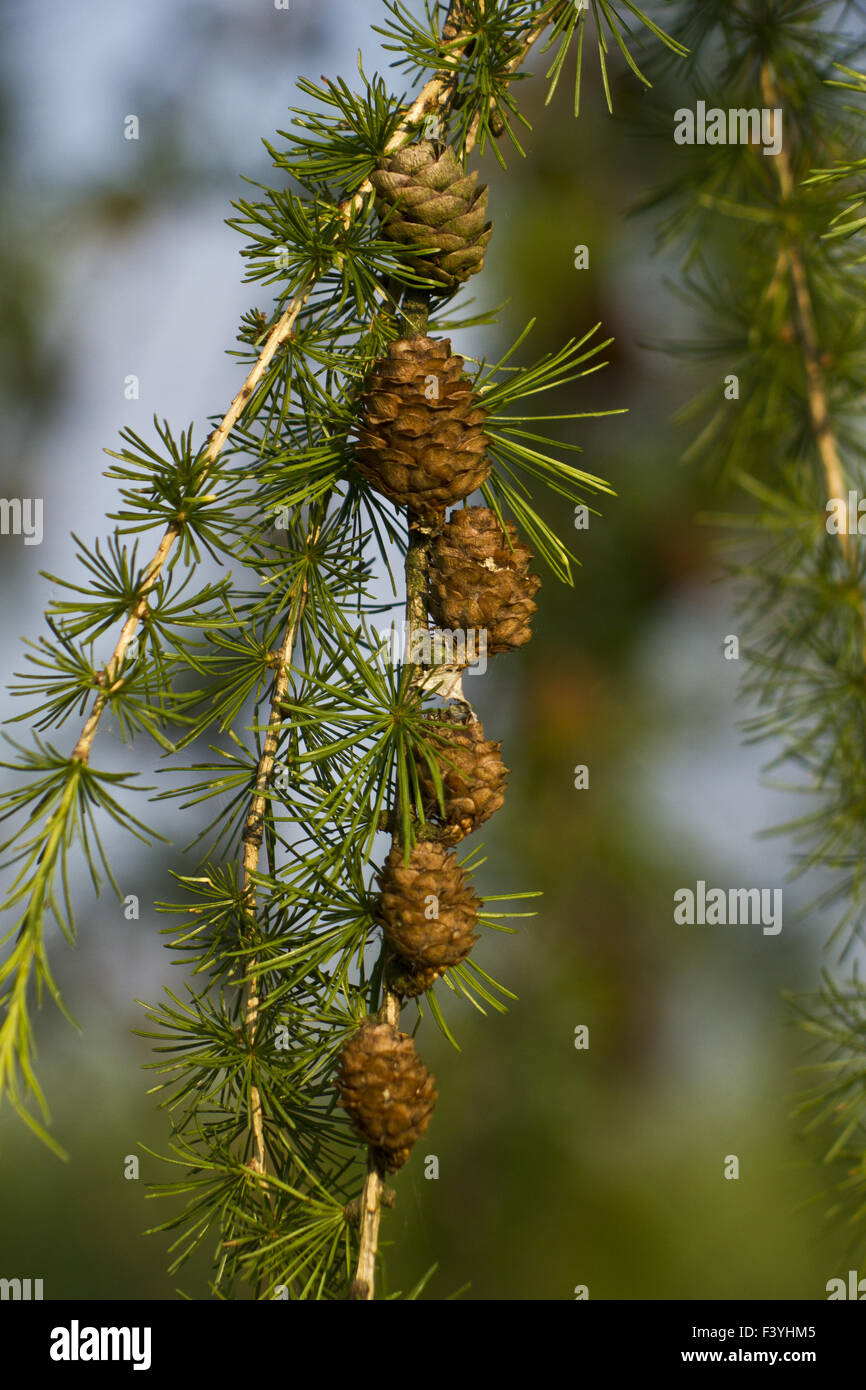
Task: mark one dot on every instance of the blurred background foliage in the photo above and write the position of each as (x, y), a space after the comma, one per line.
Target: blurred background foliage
(557, 1167)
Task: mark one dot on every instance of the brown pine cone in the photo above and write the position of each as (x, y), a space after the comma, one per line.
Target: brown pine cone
(412, 980)
(479, 582)
(426, 200)
(427, 909)
(472, 772)
(387, 1091)
(421, 439)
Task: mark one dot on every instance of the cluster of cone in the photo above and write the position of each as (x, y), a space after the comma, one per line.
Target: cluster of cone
(421, 443)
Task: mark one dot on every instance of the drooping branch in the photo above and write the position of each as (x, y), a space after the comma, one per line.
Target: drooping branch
(415, 310)
(253, 836)
(791, 257)
(434, 97)
(421, 530)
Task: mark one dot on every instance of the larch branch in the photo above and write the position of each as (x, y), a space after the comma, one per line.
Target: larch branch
(435, 96)
(816, 388)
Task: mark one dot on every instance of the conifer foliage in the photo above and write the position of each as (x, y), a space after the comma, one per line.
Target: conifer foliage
(291, 1090)
(780, 430)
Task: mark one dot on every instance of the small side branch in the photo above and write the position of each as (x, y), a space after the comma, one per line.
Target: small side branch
(253, 837)
(279, 334)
